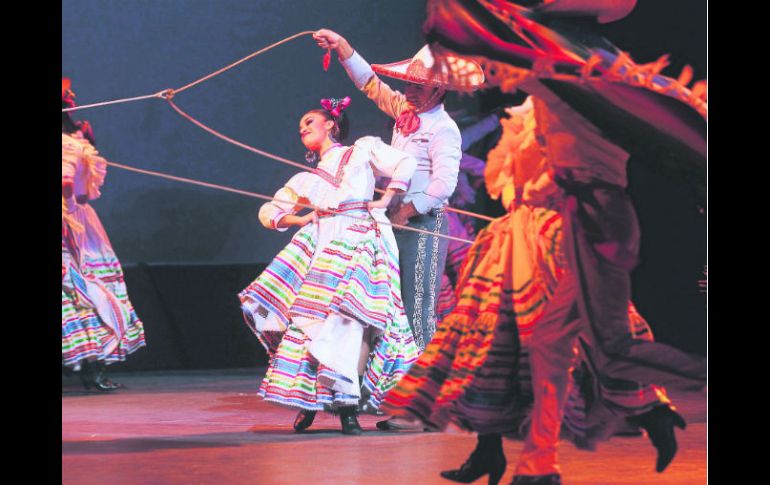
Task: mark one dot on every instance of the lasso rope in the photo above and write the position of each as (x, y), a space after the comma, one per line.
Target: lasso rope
(159, 94)
(230, 140)
(254, 54)
(168, 95)
(281, 159)
(170, 92)
(267, 197)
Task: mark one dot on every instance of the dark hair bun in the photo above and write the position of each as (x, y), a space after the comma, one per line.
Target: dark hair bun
(343, 126)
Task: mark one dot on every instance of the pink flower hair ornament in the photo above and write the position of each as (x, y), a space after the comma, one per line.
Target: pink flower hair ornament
(335, 106)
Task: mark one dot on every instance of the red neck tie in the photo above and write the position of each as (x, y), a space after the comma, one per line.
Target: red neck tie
(407, 122)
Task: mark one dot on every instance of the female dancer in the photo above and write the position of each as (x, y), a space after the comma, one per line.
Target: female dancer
(99, 325)
(328, 308)
(476, 370)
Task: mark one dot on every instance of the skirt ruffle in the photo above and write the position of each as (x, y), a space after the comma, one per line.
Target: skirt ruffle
(98, 320)
(475, 372)
(340, 270)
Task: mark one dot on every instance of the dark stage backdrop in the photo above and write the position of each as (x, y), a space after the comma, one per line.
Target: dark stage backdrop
(115, 48)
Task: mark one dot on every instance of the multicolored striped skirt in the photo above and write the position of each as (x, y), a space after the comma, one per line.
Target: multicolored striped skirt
(475, 372)
(334, 284)
(98, 321)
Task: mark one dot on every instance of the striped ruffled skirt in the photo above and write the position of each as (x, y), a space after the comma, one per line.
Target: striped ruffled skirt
(475, 372)
(333, 285)
(98, 321)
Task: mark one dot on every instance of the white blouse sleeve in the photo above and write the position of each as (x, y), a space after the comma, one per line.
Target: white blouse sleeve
(70, 154)
(96, 171)
(388, 161)
(82, 166)
(272, 212)
(302, 189)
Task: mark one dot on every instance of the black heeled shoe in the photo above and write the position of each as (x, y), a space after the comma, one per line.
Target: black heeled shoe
(477, 465)
(349, 421)
(659, 424)
(303, 420)
(92, 375)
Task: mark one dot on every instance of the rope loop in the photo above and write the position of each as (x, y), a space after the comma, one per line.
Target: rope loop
(167, 94)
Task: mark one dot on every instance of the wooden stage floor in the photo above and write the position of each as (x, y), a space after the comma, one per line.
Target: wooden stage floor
(208, 427)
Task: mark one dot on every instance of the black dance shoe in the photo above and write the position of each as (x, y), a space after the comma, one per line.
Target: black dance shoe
(478, 465)
(349, 421)
(552, 479)
(92, 375)
(303, 420)
(659, 424)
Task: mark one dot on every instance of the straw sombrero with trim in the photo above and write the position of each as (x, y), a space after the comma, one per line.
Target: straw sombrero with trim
(422, 69)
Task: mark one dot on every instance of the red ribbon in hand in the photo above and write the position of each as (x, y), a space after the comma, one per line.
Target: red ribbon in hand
(327, 59)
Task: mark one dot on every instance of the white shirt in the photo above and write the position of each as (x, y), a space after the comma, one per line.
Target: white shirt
(333, 182)
(436, 144)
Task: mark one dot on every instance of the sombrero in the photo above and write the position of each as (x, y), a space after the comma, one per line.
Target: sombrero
(422, 69)
(605, 11)
(634, 105)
